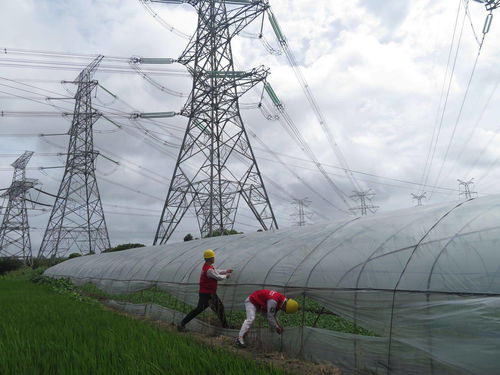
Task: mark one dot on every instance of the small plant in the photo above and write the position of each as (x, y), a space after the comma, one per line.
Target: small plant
(74, 255)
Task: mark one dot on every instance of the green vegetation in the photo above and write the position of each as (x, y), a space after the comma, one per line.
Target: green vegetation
(9, 264)
(124, 246)
(326, 319)
(24, 274)
(47, 262)
(225, 232)
(50, 328)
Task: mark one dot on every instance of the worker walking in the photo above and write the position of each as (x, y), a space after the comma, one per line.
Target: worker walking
(208, 291)
(267, 302)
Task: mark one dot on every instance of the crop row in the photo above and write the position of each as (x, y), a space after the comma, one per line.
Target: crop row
(50, 329)
(313, 313)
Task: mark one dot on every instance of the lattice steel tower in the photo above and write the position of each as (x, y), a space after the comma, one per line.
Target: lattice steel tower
(14, 232)
(365, 202)
(419, 197)
(301, 213)
(464, 189)
(77, 220)
(216, 166)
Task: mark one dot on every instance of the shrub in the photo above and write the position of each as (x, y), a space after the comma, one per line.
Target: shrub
(46, 262)
(74, 255)
(124, 246)
(9, 264)
(188, 237)
(225, 232)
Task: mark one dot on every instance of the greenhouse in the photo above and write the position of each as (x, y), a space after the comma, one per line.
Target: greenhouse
(420, 286)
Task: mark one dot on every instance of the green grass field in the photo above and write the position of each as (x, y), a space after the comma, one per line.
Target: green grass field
(44, 330)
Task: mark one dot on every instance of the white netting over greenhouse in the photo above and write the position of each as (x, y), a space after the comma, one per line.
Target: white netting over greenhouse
(424, 282)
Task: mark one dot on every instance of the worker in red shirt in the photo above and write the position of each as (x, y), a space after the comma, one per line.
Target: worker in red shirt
(268, 302)
(208, 291)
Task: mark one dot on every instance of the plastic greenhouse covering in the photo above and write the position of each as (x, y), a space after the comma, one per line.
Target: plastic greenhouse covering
(424, 280)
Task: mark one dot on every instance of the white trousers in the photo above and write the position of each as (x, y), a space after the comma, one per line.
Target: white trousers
(251, 310)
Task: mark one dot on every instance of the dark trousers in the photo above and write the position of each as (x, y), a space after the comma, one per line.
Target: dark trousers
(207, 300)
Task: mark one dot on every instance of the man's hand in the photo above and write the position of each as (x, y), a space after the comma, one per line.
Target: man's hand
(279, 329)
(229, 271)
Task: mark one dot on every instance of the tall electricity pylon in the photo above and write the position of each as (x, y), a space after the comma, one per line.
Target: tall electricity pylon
(464, 189)
(419, 198)
(77, 222)
(14, 232)
(365, 202)
(216, 166)
(301, 213)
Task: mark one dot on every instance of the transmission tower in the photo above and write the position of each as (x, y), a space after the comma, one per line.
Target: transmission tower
(419, 198)
(464, 189)
(365, 201)
(301, 214)
(77, 219)
(216, 166)
(14, 232)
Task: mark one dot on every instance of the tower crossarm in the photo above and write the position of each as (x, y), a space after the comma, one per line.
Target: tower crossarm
(19, 188)
(217, 26)
(490, 4)
(23, 160)
(231, 84)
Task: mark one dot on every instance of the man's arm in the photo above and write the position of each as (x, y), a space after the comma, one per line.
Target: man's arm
(214, 274)
(272, 308)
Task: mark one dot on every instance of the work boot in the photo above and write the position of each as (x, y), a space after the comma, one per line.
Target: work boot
(239, 343)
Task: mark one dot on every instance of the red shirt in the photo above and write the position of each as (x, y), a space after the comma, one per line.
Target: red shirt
(207, 284)
(260, 298)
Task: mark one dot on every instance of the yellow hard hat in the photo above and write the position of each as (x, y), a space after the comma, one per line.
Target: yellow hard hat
(291, 306)
(207, 254)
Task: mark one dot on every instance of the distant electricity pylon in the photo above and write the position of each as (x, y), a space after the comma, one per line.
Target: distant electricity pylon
(77, 219)
(14, 233)
(465, 190)
(216, 166)
(301, 214)
(419, 198)
(365, 201)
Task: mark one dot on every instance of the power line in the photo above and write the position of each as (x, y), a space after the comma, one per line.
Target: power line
(310, 97)
(267, 150)
(485, 31)
(434, 140)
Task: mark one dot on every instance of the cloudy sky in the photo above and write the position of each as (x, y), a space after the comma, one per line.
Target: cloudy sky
(391, 78)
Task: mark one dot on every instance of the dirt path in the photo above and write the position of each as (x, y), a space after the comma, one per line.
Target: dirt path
(276, 359)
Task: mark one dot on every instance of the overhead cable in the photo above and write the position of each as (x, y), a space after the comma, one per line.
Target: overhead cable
(459, 116)
(441, 111)
(311, 99)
